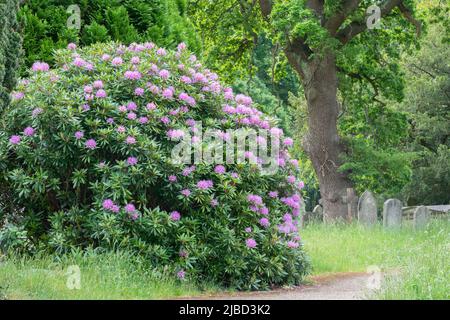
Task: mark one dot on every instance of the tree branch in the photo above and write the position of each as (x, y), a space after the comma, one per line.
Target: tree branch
(408, 16)
(357, 27)
(266, 8)
(334, 22)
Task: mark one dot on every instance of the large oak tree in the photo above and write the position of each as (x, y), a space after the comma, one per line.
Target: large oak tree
(332, 47)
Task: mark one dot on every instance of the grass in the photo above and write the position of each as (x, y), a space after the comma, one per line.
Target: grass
(418, 262)
(103, 276)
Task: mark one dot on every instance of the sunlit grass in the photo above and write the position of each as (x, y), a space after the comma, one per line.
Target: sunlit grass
(103, 276)
(418, 262)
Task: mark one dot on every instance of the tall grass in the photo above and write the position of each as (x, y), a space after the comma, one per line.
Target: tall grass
(114, 275)
(417, 262)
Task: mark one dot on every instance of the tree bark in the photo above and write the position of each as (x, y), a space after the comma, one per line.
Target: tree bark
(322, 143)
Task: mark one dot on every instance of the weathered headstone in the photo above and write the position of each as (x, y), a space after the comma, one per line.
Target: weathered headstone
(392, 213)
(422, 216)
(367, 209)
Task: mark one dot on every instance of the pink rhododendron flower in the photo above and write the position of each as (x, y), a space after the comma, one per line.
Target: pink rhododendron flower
(164, 74)
(173, 178)
(135, 60)
(175, 216)
(132, 75)
(71, 46)
(151, 106)
(214, 203)
(264, 222)
(181, 274)
(186, 192)
(131, 116)
(91, 144)
(219, 169)
(132, 161)
(40, 66)
(130, 208)
(117, 61)
(101, 93)
(121, 129)
(273, 194)
(250, 243)
(15, 140)
(205, 184)
(28, 131)
(139, 92)
(108, 204)
(79, 135)
(292, 244)
(288, 142)
(98, 84)
(130, 140)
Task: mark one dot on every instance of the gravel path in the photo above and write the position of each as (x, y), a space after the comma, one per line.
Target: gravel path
(344, 286)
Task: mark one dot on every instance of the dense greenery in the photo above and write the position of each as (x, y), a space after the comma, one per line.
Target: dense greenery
(161, 21)
(10, 49)
(86, 159)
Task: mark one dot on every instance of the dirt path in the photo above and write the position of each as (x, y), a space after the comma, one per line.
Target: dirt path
(343, 286)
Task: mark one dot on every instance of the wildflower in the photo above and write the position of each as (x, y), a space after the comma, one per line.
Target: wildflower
(205, 184)
(79, 135)
(175, 216)
(28, 131)
(132, 161)
(91, 144)
(15, 140)
(250, 243)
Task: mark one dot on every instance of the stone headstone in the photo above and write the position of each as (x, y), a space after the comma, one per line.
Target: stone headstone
(392, 213)
(367, 209)
(422, 216)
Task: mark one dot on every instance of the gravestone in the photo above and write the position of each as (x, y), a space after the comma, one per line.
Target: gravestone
(422, 216)
(392, 213)
(367, 209)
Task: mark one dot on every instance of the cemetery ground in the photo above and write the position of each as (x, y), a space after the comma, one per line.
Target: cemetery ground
(416, 264)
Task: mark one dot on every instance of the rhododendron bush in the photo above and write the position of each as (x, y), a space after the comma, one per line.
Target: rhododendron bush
(85, 152)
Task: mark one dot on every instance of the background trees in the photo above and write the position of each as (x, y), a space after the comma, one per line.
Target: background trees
(10, 49)
(161, 21)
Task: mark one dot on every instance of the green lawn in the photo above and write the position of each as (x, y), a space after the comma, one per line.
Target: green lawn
(420, 260)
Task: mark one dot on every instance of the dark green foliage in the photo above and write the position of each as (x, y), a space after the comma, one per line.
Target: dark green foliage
(161, 21)
(10, 49)
(427, 102)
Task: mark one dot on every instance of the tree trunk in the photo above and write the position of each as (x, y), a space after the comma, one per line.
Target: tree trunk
(322, 142)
